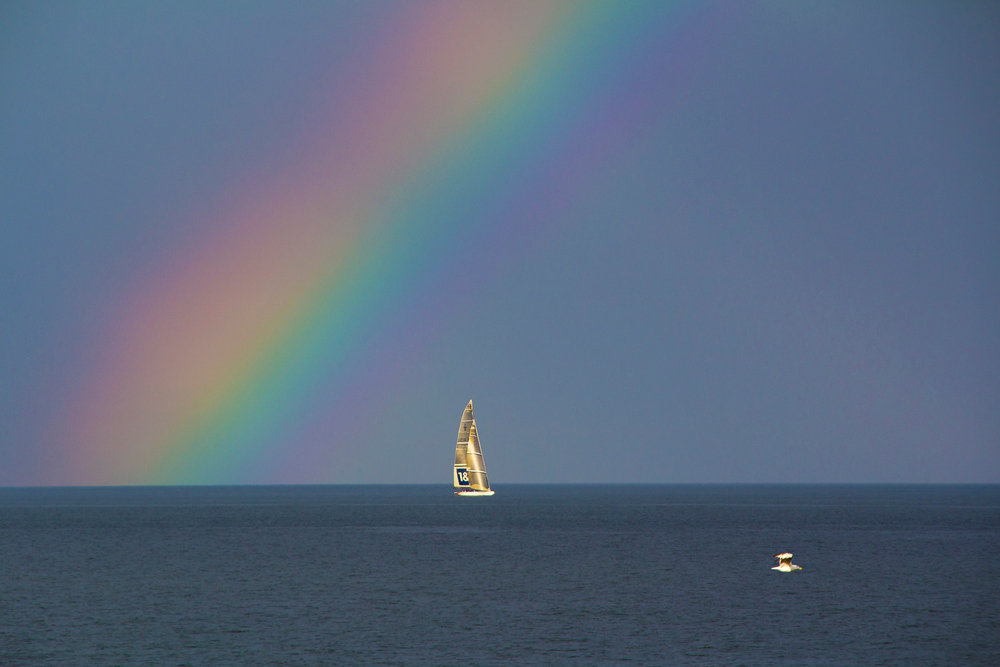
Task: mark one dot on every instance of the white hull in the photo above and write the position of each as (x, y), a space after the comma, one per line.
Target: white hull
(473, 493)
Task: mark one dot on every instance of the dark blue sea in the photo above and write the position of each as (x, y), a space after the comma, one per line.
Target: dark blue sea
(581, 575)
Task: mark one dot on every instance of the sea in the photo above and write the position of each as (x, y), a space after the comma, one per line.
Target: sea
(535, 575)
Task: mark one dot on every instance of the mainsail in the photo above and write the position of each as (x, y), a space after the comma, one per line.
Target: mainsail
(470, 470)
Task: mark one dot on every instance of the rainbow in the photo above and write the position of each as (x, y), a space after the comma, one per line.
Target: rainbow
(460, 122)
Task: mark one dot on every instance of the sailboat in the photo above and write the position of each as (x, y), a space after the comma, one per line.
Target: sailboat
(470, 471)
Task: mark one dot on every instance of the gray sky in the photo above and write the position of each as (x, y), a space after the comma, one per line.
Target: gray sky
(784, 269)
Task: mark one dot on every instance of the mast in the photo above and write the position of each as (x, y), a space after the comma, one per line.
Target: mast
(460, 476)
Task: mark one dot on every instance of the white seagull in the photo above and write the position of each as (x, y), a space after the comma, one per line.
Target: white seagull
(785, 563)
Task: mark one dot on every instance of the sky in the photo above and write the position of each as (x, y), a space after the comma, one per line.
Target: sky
(694, 242)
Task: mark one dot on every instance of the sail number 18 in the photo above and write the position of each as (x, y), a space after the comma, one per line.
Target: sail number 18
(463, 476)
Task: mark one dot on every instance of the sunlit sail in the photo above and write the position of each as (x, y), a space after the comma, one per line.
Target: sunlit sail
(470, 471)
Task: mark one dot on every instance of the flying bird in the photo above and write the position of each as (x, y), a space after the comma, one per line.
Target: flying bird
(785, 563)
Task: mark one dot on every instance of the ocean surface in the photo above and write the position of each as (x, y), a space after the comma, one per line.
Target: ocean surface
(581, 575)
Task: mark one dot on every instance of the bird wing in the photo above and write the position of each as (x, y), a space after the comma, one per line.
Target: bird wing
(783, 557)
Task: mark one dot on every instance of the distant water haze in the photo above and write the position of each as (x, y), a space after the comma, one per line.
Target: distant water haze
(654, 242)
